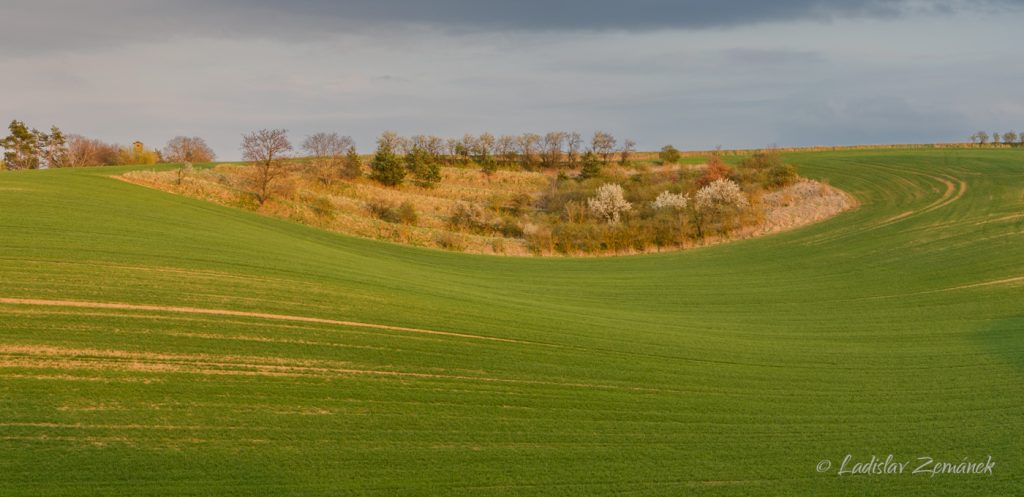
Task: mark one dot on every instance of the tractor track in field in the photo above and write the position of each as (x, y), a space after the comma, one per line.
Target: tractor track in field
(248, 314)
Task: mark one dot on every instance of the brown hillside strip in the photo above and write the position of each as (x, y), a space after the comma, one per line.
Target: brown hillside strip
(225, 312)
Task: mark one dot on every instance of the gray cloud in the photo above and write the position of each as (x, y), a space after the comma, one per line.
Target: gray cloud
(696, 74)
(34, 25)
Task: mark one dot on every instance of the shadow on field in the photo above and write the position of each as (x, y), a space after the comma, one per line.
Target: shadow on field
(1004, 339)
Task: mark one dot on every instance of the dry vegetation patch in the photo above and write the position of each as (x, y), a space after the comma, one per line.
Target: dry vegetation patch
(625, 209)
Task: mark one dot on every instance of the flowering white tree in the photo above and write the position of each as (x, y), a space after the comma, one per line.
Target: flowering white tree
(713, 202)
(720, 195)
(669, 200)
(609, 204)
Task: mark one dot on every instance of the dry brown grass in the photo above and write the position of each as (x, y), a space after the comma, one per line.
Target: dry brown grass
(345, 205)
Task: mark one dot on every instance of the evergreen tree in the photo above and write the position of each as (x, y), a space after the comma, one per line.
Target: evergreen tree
(353, 167)
(386, 167)
(591, 166)
(21, 147)
(55, 148)
(426, 171)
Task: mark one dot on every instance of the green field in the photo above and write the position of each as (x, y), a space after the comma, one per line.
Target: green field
(897, 328)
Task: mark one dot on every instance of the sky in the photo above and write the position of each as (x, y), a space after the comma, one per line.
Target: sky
(695, 74)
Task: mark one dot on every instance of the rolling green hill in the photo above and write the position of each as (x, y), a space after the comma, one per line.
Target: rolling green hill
(157, 345)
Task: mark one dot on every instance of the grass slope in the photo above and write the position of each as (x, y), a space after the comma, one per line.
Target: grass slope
(733, 370)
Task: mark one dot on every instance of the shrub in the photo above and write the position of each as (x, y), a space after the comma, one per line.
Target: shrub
(450, 241)
(720, 194)
(715, 170)
(469, 217)
(323, 207)
(488, 165)
(781, 175)
(510, 228)
(520, 204)
(183, 172)
(538, 238)
(610, 203)
(668, 155)
(571, 238)
(716, 202)
(763, 160)
(669, 200)
(407, 213)
(384, 211)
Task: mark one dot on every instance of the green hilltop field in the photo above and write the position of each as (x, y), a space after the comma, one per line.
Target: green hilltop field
(243, 369)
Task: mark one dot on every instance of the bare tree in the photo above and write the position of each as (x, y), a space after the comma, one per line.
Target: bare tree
(188, 149)
(627, 151)
(266, 148)
(485, 146)
(466, 147)
(603, 144)
(84, 151)
(506, 149)
(528, 144)
(328, 153)
(552, 146)
(435, 147)
(573, 145)
(391, 140)
(452, 146)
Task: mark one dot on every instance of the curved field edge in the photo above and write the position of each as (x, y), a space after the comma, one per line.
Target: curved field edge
(894, 328)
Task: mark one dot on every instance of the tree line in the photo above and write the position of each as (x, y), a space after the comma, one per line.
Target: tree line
(1008, 138)
(420, 157)
(30, 148)
(529, 151)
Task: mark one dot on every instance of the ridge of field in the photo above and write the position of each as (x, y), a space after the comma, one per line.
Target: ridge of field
(732, 370)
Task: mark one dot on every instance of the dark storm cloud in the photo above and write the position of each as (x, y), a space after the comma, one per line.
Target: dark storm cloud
(33, 25)
(609, 14)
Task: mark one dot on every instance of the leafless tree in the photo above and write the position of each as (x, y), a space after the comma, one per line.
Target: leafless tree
(434, 146)
(84, 151)
(552, 145)
(266, 148)
(603, 144)
(393, 141)
(573, 145)
(485, 146)
(506, 149)
(188, 149)
(627, 151)
(528, 144)
(451, 149)
(328, 153)
(466, 147)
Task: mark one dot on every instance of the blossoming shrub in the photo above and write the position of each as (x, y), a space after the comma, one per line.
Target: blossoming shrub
(609, 204)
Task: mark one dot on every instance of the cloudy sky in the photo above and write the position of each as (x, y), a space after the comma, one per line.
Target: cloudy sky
(698, 74)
